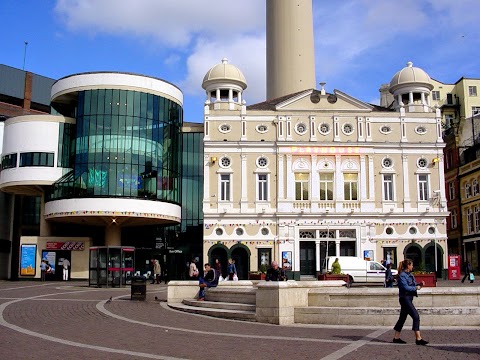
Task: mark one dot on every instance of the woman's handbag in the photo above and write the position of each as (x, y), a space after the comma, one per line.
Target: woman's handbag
(472, 277)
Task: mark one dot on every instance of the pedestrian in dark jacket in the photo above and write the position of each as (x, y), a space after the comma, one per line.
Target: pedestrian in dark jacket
(209, 279)
(275, 273)
(389, 277)
(407, 289)
(467, 269)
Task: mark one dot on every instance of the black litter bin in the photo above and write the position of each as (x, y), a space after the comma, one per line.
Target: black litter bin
(139, 288)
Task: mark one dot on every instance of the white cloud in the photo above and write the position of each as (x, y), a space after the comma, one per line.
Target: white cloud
(170, 22)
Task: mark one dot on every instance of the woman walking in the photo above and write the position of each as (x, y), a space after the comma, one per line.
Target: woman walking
(407, 289)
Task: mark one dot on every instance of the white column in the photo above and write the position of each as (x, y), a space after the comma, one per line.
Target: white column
(338, 177)
(371, 178)
(422, 95)
(230, 95)
(337, 247)
(217, 95)
(281, 178)
(244, 199)
(290, 179)
(406, 188)
(410, 98)
(315, 180)
(317, 255)
(363, 178)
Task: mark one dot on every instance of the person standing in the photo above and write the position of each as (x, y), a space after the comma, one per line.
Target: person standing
(157, 270)
(407, 289)
(218, 267)
(43, 270)
(389, 276)
(467, 268)
(231, 269)
(193, 270)
(65, 265)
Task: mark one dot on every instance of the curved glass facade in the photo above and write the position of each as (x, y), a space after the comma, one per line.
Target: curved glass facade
(127, 144)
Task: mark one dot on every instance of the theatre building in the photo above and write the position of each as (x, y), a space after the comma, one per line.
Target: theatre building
(313, 172)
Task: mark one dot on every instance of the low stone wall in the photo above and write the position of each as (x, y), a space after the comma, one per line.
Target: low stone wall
(227, 291)
(330, 302)
(276, 301)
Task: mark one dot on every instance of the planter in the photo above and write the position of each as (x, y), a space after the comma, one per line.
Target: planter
(430, 279)
(254, 276)
(343, 277)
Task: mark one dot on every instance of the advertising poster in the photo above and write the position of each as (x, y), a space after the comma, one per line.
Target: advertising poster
(286, 260)
(50, 256)
(368, 254)
(28, 259)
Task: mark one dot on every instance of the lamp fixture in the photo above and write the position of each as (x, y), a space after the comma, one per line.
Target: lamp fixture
(435, 160)
(213, 159)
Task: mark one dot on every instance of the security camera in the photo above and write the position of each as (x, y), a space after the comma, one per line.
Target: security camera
(436, 191)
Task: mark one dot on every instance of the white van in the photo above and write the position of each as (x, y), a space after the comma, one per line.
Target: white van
(359, 270)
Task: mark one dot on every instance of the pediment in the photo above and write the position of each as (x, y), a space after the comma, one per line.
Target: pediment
(313, 100)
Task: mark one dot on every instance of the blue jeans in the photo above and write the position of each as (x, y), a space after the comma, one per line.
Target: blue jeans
(406, 309)
(209, 284)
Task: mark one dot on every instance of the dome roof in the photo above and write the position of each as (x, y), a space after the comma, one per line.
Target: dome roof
(410, 75)
(224, 72)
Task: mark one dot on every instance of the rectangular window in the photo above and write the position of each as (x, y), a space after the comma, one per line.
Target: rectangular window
(449, 99)
(469, 221)
(326, 186)
(225, 187)
(301, 186)
(423, 187)
(262, 187)
(436, 95)
(36, 159)
(388, 187)
(449, 159)
(350, 186)
(448, 121)
(453, 218)
(475, 110)
(9, 161)
(476, 216)
(472, 91)
(451, 190)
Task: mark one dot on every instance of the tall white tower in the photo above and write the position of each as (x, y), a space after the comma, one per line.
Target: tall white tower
(290, 47)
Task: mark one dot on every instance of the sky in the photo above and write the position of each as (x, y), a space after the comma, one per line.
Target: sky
(359, 44)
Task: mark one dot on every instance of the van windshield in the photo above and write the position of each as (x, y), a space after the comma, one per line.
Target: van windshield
(376, 266)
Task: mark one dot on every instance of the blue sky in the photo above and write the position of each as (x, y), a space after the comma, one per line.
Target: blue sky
(359, 44)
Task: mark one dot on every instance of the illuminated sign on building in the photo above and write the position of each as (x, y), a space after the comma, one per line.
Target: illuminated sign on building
(324, 150)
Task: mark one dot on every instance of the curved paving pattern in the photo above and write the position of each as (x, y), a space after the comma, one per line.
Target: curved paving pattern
(72, 321)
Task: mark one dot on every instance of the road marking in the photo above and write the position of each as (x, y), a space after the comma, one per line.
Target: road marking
(355, 345)
(26, 287)
(135, 354)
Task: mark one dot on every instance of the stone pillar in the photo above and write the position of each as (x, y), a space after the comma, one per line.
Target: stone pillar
(113, 235)
(44, 224)
(276, 301)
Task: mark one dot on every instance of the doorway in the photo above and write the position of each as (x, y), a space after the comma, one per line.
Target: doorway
(240, 256)
(307, 258)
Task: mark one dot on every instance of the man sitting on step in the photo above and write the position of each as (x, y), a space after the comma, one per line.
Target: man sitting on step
(209, 279)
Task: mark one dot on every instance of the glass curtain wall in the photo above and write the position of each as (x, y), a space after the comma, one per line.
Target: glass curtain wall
(127, 144)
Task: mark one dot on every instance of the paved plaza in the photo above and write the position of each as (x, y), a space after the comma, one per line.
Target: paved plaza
(57, 320)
